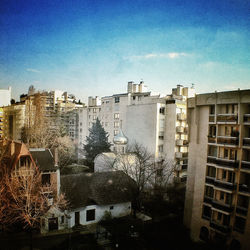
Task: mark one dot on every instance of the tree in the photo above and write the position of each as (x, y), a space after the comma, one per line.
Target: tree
(150, 176)
(23, 199)
(96, 142)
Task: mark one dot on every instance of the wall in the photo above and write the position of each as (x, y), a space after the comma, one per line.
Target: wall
(119, 210)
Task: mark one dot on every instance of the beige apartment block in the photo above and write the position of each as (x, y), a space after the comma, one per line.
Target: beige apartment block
(218, 184)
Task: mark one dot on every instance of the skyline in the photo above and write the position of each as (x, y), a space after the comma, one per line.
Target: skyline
(95, 47)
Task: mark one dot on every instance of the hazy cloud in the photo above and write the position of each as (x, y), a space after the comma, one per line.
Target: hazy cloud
(33, 70)
(171, 55)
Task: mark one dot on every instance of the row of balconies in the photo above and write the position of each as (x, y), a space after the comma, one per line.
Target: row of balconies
(229, 118)
(220, 183)
(223, 162)
(228, 140)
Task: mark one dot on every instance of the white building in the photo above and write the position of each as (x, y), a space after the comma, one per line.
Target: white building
(5, 97)
(156, 122)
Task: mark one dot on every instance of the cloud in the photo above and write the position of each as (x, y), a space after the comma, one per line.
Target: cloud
(171, 55)
(33, 70)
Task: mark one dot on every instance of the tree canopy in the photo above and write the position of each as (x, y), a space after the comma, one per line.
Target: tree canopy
(96, 143)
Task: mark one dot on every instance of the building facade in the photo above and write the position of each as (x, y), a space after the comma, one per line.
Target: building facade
(218, 183)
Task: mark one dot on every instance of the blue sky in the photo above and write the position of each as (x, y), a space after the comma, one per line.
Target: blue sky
(93, 47)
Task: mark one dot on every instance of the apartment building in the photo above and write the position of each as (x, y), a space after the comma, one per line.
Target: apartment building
(218, 183)
(58, 106)
(5, 98)
(155, 121)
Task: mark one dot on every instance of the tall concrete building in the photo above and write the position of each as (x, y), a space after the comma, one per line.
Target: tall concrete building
(218, 184)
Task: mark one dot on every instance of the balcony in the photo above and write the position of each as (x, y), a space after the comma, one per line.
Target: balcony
(245, 165)
(246, 142)
(224, 185)
(227, 163)
(210, 180)
(246, 119)
(211, 139)
(211, 159)
(181, 142)
(211, 119)
(222, 228)
(241, 210)
(208, 199)
(179, 129)
(181, 117)
(180, 155)
(222, 206)
(227, 118)
(228, 140)
(244, 188)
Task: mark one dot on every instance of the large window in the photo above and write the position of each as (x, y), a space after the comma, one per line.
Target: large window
(117, 99)
(90, 215)
(46, 179)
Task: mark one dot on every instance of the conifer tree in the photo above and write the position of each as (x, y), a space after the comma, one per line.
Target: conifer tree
(96, 142)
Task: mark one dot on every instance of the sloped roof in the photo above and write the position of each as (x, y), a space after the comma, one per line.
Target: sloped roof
(100, 188)
(43, 159)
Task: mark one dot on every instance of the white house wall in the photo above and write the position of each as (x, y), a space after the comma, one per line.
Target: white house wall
(119, 210)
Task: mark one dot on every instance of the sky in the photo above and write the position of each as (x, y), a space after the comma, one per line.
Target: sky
(94, 47)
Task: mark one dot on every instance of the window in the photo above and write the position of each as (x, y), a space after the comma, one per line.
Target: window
(161, 137)
(134, 97)
(90, 215)
(116, 116)
(206, 212)
(94, 110)
(46, 179)
(62, 219)
(209, 191)
(239, 224)
(80, 123)
(80, 130)
(212, 110)
(111, 207)
(162, 110)
(94, 117)
(116, 124)
(221, 196)
(227, 108)
(224, 174)
(117, 99)
(225, 153)
(160, 148)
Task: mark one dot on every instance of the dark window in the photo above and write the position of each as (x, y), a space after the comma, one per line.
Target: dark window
(133, 97)
(206, 212)
(46, 179)
(117, 99)
(239, 224)
(62, 219)
(212, 110)
(162, 110)
(90, 215)
(111, 207)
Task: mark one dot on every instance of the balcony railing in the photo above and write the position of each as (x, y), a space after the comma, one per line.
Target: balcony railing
(227, 163)
(225, 185)
(227, 118)
(241, 210)
(228, 140)
(208, 199)
(222, 228)
(180, 155)
(246, 119)
(211, 139)
(212, 118)
(179, 129)
(210, 180)
(246, 142)
(181, 142)
(181, 117)
(222, 206)
(211, 159)
(245, 165)
(244, 188)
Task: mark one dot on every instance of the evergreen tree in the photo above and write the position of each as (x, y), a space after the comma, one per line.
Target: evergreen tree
(96, 142)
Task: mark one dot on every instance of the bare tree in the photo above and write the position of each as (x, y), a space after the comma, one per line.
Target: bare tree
(149, 174)
(22, 196)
